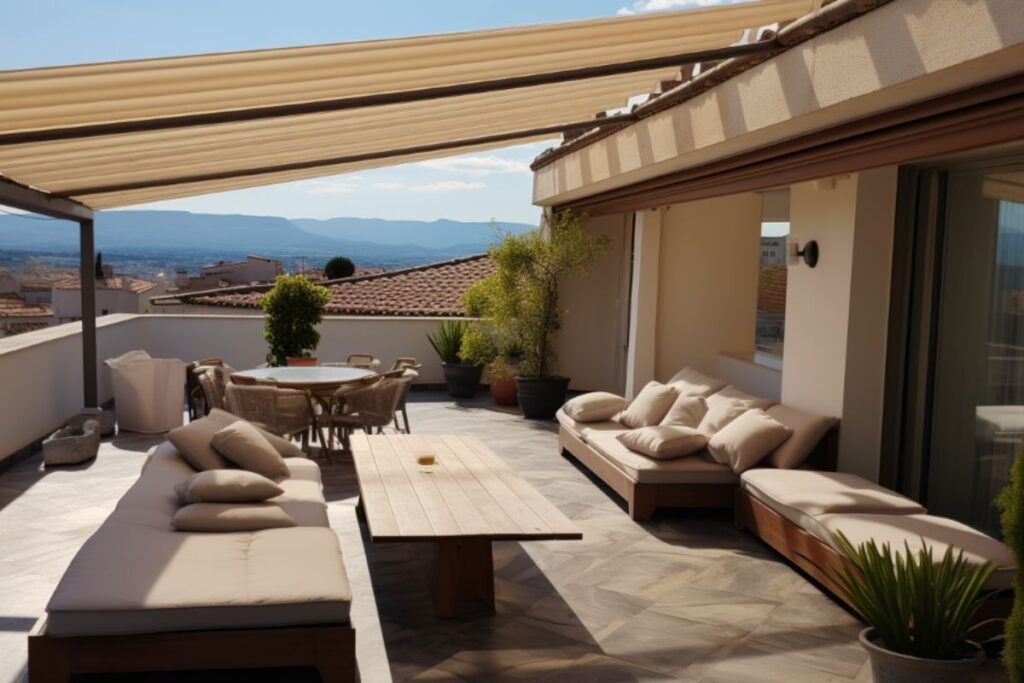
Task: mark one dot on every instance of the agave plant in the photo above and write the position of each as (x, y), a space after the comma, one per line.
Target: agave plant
(447, 341)
(917, 606)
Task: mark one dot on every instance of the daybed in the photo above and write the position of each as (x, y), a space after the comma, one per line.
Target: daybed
(696, 480)
(141, 596)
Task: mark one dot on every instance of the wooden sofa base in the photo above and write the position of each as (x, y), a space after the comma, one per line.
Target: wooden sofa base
(819, 559)
(328, 648)
(643, 499)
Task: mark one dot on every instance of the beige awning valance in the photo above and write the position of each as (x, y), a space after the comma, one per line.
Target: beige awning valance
(117, 134)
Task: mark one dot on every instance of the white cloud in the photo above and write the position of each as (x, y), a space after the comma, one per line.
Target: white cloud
(388, 186)
(661, 5)
(477, 165)
(448, 186)
(333, 187)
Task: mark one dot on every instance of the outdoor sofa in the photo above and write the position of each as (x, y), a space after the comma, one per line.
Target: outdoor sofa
(142, 596)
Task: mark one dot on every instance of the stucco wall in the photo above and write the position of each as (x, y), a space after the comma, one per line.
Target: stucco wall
(707, 296)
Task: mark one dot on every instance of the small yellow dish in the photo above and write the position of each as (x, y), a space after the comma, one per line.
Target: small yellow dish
(425, 459)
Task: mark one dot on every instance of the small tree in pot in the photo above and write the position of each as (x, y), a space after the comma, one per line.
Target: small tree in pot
(919, 609)
(484, 345)
(292, 310)
(521, 301)
(461, 375)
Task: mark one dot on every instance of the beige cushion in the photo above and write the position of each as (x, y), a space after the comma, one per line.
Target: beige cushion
(650, 406)
(595, 406)
(663, 441)
(245, 446)
(726, 405)
(808, 431)
(193, 441)
(937, 532)
(802, 496)
(225, 517)
(695, 383)
(576, 427)
(746, 441)
(227, 486)
(687, 411)
(693, 469)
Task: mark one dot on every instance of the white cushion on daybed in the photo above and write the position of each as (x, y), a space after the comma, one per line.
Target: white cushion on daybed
(801, 496)
(938, 532)
(692, 382)
(136, 574)
(692, 469)
(577, 427)
(595, 406)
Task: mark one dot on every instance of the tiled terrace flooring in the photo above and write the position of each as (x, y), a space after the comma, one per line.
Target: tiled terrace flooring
(684, 598)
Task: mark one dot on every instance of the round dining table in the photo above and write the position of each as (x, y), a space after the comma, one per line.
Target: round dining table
(320, 381)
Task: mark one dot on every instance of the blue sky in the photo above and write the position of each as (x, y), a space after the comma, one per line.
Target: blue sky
(480, 186)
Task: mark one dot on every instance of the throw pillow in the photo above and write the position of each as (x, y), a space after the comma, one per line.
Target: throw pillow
(227, 517)
(192, 441)
(695, 383)
(808, 430)
(663, 441)
(244, 445)
(227, 486)
(746, 441)
(726, 405)
(687, 411)
(595, 406)
(650, 406)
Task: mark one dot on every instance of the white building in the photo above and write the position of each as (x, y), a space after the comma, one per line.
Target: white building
(118, 294)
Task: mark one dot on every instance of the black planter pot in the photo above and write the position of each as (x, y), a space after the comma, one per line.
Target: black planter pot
(462, 380)
(541, 397)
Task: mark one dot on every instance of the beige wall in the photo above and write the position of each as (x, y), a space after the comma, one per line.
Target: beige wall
(591, 344)
(707, 296)
(837, 313)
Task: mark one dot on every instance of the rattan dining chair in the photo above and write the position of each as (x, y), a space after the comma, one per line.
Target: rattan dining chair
(370, 408)
(212, 380)
(357, 360)
(194, 395)
(409, 367)
(285, 412)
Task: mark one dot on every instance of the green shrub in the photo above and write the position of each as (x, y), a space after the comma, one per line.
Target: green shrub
(339, 266)
(918, 606)
(293, 309)
(1011, 505)
(447, 341)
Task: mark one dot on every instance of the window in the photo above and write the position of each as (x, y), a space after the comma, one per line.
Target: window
(771, 283)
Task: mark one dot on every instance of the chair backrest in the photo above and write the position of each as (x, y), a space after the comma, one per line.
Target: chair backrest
(213, 379)
(360, 358)
(376, 404)
(281, 411)
(392, 374)
(403, 362)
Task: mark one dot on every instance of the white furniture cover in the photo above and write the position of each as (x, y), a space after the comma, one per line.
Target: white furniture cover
(148, 392)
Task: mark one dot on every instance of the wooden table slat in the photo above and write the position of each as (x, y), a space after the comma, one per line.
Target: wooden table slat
(434, 507)
(382, 522)
(468, 517)
(495, 517)
(398, 490)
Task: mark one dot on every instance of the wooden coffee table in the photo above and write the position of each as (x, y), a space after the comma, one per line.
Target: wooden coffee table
(469, 498)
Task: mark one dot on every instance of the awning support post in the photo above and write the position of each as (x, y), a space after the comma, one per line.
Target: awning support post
(88, 278)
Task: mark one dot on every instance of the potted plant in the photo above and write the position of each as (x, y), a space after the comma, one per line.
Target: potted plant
(483, 346)
(919, 611)
(521, 301)
(1011, 505)
(293, 309)
(461, 376)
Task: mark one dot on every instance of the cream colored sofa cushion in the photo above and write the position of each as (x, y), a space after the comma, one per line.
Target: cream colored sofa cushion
(227, 486)
(686, 411)
(595, 406)
(808, 431)
(663, 442)
(244, 445)
(802, 496)
(222, 517)
(692, 382)
(938, 533)
(746, 441)
(193, 441)
(650, 405)
(693, 469)
(577, 427)
(726, 405)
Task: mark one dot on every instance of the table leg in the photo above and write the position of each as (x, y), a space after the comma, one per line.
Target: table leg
(465, 571)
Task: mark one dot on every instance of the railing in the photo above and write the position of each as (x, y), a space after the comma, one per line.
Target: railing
(41, 372)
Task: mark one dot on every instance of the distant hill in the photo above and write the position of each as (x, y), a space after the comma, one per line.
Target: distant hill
(366, 241)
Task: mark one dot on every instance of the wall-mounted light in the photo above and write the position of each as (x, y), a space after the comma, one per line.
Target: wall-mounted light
(809, 253)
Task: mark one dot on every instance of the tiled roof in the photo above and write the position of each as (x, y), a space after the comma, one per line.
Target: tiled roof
(136, 285)
(20, 328)
(432, 289)
(771, 289)
(14, 306)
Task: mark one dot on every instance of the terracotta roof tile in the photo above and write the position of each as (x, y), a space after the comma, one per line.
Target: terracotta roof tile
(434, 289)
(14, 306)
(117, 282)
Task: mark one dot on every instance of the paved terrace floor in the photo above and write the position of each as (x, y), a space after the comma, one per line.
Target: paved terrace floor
(683, 598)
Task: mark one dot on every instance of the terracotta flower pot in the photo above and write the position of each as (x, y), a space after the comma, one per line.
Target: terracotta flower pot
(301, 362)
(504, 391)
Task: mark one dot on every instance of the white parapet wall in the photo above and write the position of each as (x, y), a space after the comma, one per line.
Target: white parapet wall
(41, 372)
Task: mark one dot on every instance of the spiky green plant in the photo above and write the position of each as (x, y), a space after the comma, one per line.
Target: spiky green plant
(293, 309)
(1011, 505)
(447, 340)
(918, 606)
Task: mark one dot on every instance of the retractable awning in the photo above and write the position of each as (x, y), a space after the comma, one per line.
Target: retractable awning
(116, 134)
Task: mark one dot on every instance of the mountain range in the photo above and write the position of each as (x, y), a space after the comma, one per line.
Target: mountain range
(367, 241)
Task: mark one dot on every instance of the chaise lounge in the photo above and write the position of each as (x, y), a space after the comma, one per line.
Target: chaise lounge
(141, 596)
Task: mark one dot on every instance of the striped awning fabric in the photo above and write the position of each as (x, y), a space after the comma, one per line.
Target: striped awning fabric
(122, 133)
